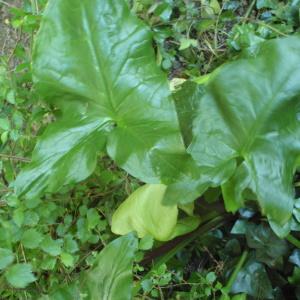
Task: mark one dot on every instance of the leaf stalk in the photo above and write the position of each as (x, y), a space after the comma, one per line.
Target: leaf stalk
(234, 274)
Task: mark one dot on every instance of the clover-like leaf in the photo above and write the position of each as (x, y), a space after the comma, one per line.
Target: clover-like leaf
(247, 131)
(94, 60)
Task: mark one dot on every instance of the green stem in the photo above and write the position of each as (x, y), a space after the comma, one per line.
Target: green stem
(212, 224)
(234, 274)
(293, 241)
(33, 8)
(248, 12)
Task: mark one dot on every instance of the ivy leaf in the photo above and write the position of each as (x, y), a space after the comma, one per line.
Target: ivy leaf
(95, 61)
(111, 276)
(19, 275)
(253, 280)
(269, 248)
(246, 133)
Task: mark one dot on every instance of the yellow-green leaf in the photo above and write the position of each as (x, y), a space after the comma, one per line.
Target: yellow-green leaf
(144, 213)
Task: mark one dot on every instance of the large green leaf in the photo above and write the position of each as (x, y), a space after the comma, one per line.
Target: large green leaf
(65, 154)
(111, 276)
(247, 129)
(94, 60)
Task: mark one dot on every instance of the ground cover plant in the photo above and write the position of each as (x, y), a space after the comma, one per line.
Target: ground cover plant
(149, 149)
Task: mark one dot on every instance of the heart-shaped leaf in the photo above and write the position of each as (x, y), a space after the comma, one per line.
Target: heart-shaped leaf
(247, 131)
(94, 60)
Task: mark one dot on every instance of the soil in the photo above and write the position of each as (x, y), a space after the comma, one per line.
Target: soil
(8, 35)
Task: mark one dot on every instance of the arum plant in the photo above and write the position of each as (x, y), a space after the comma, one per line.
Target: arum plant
(246, 130)
(238, 129)
(94, 60)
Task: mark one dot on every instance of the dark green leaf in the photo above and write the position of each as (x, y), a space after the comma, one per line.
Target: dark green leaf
(247, 128)
(254, 281)
(239, 227)
(295, 278)
(105, 79)
(269, 248)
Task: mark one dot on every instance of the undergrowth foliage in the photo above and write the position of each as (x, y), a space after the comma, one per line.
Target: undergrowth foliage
(196, 169)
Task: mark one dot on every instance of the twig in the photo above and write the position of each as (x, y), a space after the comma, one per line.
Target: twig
(248, 12)
(15, 47)
(216, 27)
(5, 190)
(7, 4)
(161, 294)
(272, 28)
(13, 157)
(293, 241)
(267, 25)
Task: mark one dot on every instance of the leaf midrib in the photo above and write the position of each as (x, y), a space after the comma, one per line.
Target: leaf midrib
(99, 61)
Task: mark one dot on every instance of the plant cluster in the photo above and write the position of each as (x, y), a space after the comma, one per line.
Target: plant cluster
(188, 110)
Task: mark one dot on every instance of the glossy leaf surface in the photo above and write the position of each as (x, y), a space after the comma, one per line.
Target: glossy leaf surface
(111, 276)
(247, 129)
(95, 61)
(65, 154)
